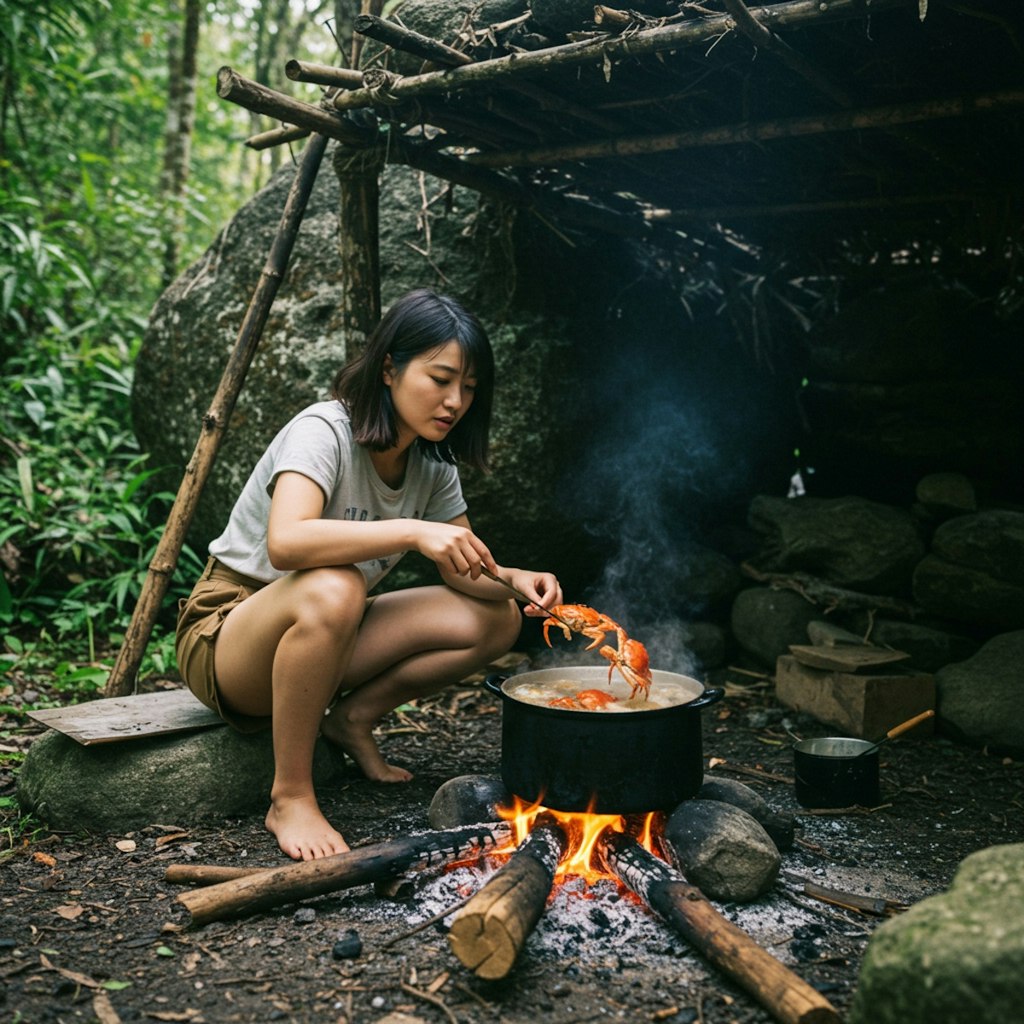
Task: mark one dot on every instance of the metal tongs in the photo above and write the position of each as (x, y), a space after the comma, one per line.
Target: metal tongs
(519, 594)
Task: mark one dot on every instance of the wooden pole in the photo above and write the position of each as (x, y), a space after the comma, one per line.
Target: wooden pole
(214, 425)
(371, 863)
(489, 932)
(206, 874)
(742, 132)
(785, 995)
(323, 74)
(692, 31)
(276, 137)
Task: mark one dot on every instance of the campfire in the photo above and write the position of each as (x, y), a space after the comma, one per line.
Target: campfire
(540, 848)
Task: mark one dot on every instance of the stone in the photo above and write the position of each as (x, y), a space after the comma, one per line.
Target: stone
(850, 542)
(348, 945)
(929, 647)
(766, 622)
(979, 699)
(467, 800)
(991, 542)
(946, 494)
(185, 779)
(954, 957)
(780, 825)
(968, 595)
(722, 850)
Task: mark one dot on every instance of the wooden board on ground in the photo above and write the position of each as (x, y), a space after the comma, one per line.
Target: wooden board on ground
(845, 658)
(121, 718)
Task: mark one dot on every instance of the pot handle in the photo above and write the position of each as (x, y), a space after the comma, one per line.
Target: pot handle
(711, 696)
(493, 683)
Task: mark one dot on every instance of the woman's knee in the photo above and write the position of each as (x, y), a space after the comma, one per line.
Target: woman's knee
(332, 596)
(504, 622)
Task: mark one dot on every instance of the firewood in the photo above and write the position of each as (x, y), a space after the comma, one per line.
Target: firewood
(785, 995)
(489, 932)
(206, 874)
(365, 864)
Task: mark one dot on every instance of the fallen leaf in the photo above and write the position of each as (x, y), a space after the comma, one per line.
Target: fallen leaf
(173, 838)
(126, 845)
(715, 762)
(70, 911)
(44, 858)
(79, 979)
(189, 1014)
(104, 1009)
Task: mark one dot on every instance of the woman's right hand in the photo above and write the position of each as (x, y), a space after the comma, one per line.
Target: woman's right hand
(454, 547)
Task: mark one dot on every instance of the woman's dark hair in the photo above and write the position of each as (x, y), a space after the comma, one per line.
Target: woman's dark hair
(420, 321)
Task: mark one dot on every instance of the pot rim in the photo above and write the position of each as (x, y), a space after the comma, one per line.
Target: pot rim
(856, 748)
(704, 695)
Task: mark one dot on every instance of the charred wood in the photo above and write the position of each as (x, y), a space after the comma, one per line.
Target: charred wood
(206, 874)
(784, 994)
(360, 866)
(489, 932)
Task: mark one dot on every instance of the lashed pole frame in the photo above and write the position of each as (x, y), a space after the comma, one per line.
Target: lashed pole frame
(214, 426)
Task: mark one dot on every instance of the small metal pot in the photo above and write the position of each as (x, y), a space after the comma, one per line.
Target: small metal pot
(833, 771)
(604, 762)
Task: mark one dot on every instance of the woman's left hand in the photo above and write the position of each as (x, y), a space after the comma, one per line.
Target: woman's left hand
(542, 587)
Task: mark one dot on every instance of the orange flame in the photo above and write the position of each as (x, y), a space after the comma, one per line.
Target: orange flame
(583, 831)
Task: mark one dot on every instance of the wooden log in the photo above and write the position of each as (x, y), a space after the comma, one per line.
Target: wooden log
(323, 74)
(882, 118)
(392, 34)
(691, 32)
(276, 137)
(214, 425)
(360, 866)
(785, 995)
(206, 874)
(489, 932)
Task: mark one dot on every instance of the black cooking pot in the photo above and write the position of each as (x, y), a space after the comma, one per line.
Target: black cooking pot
(606, 762)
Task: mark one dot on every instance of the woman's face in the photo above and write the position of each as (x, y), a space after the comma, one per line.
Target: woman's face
(430, 394)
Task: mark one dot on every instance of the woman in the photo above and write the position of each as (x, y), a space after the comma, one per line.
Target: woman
(280, 628)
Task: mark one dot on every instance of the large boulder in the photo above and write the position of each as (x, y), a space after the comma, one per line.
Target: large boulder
(974, 572)
(954, 957)
(194, 325)
(979, 699)
(184, 779)
(851, 542)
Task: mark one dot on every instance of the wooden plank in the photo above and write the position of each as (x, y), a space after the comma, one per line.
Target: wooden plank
(845, 658)
(120, 718)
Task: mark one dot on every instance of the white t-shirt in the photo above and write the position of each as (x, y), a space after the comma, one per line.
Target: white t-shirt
(318, 444)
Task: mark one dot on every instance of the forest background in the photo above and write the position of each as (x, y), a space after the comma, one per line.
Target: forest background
(118, 164)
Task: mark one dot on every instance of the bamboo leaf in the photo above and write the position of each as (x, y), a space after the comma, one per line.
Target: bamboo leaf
(88, 191)
(25, 480)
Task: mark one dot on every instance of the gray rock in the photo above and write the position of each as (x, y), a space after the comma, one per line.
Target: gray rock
(779, 825)
(929, 648)
(765, 622)
(979, 699)
(186, 779)
(947, 494)
(967, 595)
(466, 800)
(851, 542)
(706, 581)
(722, 850)
(991, 542)
(194, 324)
(954, 957)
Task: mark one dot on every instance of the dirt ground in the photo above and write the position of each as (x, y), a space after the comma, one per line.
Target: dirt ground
(90, 930)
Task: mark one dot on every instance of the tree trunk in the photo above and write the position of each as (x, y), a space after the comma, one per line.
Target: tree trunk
(182, 45)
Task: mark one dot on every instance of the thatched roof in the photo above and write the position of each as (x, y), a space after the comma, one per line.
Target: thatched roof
(801, 122)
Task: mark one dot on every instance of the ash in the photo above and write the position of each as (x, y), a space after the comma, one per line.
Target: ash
(601, 925)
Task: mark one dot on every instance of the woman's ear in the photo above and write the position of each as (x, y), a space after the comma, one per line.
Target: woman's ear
(388, 370)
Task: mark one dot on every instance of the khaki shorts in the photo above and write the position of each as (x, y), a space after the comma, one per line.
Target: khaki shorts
(200, 616)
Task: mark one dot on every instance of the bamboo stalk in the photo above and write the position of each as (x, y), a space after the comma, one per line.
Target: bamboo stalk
(249, 94)
(401, 38)
(323, 74)
(374, 862)
(786, 996)
(489, 932)
(763, 131)
(692, 32)
(276, 137)
(214, 425)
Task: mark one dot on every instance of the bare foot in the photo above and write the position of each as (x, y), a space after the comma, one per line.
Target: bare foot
(301, 829)
(357, 741)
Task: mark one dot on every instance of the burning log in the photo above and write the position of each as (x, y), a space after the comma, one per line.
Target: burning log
(784, 994)
(489, 932)
(371, 863)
